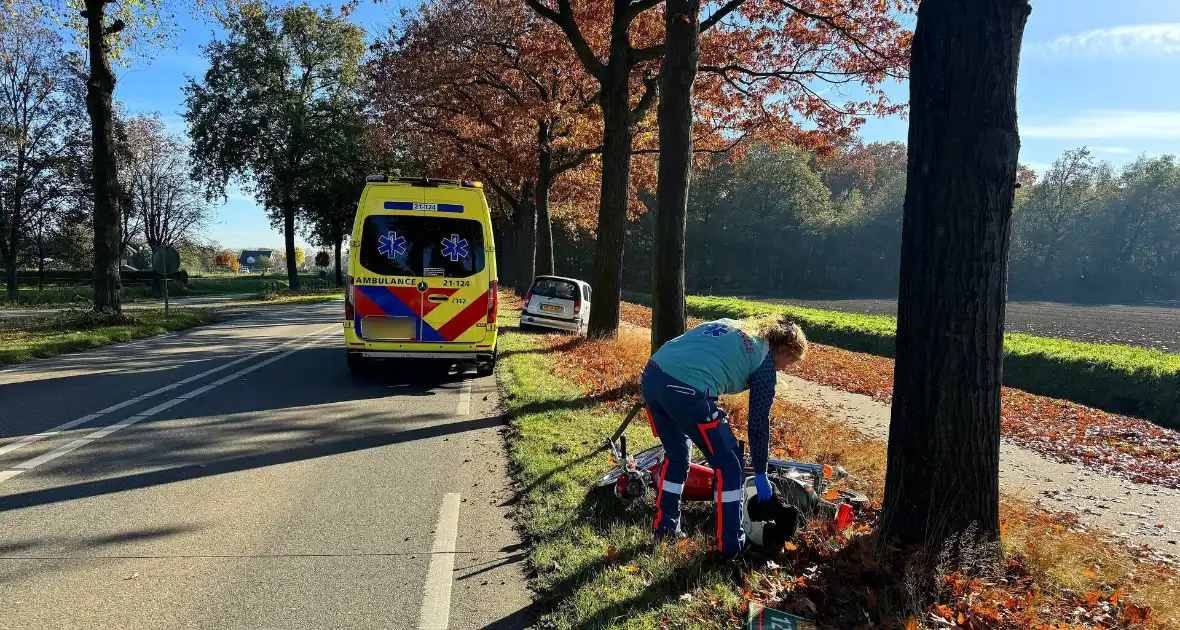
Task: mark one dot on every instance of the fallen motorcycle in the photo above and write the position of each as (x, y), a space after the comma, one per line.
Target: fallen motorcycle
(808, 487)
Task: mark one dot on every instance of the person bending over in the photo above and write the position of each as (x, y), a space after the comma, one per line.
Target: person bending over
(680, 385)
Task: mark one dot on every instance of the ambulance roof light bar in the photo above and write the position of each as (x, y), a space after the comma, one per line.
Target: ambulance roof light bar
(427, 182)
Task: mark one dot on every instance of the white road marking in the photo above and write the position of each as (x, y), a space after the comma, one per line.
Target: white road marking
(464, 399)
(37, 437)
(436, 599)
(105, 431)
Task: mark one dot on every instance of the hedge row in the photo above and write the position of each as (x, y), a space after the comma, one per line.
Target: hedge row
(1119, 379)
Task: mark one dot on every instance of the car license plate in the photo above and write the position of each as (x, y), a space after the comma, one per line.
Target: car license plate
(551, 308)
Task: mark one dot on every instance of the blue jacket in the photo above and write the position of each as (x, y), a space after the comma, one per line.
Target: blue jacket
(719, 358)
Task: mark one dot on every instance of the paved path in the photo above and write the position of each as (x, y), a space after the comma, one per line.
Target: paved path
(236, 476)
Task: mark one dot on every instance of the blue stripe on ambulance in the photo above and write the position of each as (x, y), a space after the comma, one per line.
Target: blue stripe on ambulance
(394, 307)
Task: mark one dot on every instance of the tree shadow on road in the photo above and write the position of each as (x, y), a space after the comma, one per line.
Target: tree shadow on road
(235, 464)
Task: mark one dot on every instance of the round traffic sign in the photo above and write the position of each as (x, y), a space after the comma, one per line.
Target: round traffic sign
(165, 260)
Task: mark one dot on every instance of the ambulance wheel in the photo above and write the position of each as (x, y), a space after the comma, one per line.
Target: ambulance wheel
(486, 368)
(358, 365)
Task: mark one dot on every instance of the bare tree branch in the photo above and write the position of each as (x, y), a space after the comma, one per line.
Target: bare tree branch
(636, 7)
(650, 91)
(720, 14)
(564, 18)
(831, 22)
(650, 53)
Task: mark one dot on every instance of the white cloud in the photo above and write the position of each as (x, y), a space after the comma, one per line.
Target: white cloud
(1145, 40)
(1107, 125)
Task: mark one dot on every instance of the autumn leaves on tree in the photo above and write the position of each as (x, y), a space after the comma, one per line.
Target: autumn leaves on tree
(554, 103)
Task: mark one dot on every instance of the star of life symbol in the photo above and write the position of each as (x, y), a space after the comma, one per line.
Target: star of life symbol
(715, 330)
(391, 245)
(454, 248)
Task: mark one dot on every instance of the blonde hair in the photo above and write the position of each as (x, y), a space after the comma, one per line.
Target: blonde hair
(780, 333)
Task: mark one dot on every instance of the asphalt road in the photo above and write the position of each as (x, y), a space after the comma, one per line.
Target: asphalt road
(267, 489)
(1156, 327)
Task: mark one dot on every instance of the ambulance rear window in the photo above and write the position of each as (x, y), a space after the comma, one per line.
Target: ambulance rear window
(398, 245)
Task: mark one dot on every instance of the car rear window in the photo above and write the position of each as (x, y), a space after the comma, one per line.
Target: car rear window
(552, 288)
(399, 245)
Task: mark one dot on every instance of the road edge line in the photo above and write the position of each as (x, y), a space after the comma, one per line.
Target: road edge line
(436, 596)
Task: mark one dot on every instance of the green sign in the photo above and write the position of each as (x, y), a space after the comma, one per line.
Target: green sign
(763, 618)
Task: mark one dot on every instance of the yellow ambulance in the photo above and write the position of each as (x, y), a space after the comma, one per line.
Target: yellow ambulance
(421, 280)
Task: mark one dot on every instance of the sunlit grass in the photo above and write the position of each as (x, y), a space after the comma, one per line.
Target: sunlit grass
(594, 561)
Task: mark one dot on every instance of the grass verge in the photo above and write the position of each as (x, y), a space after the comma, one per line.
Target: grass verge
(596, 567)
(295, 297)
(25, 339)
(593, 561)
(1120, 379)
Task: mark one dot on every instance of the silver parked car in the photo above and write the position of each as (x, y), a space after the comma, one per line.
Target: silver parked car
(555, 302)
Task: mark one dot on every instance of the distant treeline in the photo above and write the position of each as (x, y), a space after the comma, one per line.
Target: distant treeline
(780, 222)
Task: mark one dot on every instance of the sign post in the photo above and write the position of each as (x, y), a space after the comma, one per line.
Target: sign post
(165, 261)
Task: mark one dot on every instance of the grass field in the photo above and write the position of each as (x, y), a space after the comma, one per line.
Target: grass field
(1120, 379)
(25, 339)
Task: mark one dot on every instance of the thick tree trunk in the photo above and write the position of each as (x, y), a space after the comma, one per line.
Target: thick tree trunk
(677, 73)
(526, 240)
(289, 239)
(11, 280)
(40, 261)
(10, 256)
(108, 239)
(506, 258)
(607, 281)
(544, 184)
(944, 436)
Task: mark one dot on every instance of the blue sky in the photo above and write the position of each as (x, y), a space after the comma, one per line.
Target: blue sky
(1089, 76)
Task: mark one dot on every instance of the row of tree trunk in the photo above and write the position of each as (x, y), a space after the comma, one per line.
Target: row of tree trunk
(943, 459)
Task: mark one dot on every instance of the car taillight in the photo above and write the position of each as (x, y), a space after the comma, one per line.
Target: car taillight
(528, 297)
(493, 301)
(349, 295)
(577, 306)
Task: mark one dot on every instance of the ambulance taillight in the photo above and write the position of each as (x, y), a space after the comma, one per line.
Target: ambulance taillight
(493, 301)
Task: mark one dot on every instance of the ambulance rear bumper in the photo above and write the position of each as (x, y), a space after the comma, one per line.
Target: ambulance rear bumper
(453, 356)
